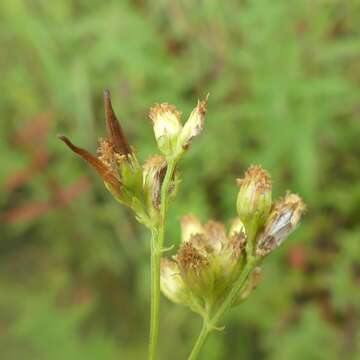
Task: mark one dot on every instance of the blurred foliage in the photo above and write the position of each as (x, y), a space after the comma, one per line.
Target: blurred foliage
(284, 82)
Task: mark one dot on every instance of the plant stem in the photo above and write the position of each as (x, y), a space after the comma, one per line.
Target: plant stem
(200, 341)
(154, 315)
(226, 304)
(157, 241)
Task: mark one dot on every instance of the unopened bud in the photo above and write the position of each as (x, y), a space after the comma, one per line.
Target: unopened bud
(171, 283)
(167, 126)
(190, 226)
(194, 125)
(284, 217)
(254, 198)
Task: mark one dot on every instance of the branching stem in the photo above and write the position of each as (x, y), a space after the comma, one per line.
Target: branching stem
(211, 324)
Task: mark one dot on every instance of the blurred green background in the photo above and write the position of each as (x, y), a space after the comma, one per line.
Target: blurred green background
(284, 81)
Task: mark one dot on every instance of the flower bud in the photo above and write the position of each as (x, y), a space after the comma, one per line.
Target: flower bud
(171, 283)
(167, 126)
(284, 217)
(254, 198)
(190, 226)
(194, 124)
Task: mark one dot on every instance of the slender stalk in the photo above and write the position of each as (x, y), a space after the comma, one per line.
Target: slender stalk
(226, 304)
(154, 314)
(157, 241)
(205, 330)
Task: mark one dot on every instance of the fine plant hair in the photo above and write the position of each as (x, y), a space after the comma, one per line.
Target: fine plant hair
(213, 269)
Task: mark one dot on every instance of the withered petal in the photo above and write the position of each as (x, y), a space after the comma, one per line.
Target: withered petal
(98, 165)
(115, 132)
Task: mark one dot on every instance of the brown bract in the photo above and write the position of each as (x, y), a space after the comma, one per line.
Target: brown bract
(284, 217)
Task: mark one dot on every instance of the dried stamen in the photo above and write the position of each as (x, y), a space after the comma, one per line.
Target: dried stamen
(188, 257)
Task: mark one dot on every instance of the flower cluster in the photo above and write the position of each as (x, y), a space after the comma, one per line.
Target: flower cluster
(206, 264)
(213, 269)
(133, 185)
(209, 261)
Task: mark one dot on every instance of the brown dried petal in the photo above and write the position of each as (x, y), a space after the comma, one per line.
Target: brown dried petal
(103, 170)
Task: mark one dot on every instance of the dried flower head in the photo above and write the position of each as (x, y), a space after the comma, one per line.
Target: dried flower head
(284, 217)
(189, 258)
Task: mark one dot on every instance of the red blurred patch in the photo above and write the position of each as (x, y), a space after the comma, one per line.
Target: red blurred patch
(32, 140)
(27, 212)
(298, 258)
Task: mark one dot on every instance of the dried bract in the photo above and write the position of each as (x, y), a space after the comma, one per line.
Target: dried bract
(283, 219)
(194, 125)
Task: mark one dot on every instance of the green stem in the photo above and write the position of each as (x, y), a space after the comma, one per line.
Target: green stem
(157, 241)
(154, 315)
(226, 304)
(205, 330)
